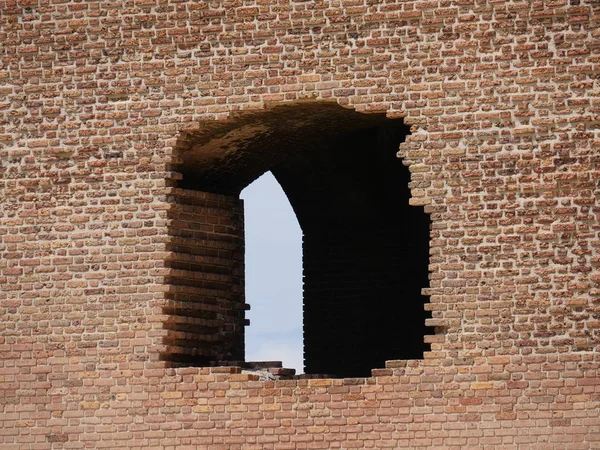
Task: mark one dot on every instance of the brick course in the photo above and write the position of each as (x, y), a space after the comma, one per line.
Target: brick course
(97, 101)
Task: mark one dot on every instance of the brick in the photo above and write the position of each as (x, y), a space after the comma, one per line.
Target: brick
(121, 288)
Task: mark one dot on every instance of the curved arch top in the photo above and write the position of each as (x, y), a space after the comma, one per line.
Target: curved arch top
(225, 156)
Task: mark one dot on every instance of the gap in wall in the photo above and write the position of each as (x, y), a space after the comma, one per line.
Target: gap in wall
(273, 263)
(365, 250)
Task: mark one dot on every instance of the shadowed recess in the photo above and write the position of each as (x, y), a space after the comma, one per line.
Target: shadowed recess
(365, 250)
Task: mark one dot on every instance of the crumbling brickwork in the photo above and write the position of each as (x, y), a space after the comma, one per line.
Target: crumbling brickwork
(99, 102)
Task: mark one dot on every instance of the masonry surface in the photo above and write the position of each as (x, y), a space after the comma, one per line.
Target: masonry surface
(106, 111)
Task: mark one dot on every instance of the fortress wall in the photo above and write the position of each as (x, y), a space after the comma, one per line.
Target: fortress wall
(98, 100)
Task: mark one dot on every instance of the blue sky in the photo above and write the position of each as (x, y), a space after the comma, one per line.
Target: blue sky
(273, 275)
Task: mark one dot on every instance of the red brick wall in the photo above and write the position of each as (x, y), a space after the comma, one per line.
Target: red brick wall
(205, 306)
(98, 98)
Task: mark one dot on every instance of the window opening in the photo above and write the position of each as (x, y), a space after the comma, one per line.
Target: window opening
(273, 269)
(365, 250)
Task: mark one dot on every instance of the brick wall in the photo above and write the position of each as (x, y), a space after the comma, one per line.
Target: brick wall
(205, 307)
(99, 99)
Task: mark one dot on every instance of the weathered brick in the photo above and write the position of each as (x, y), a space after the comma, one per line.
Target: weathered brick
(103, 262)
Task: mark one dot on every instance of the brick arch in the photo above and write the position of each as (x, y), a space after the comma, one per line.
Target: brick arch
(365, 251)
(227, 155)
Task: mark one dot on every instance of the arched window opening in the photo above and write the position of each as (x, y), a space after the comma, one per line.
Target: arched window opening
(364, 249)
(273, 272)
